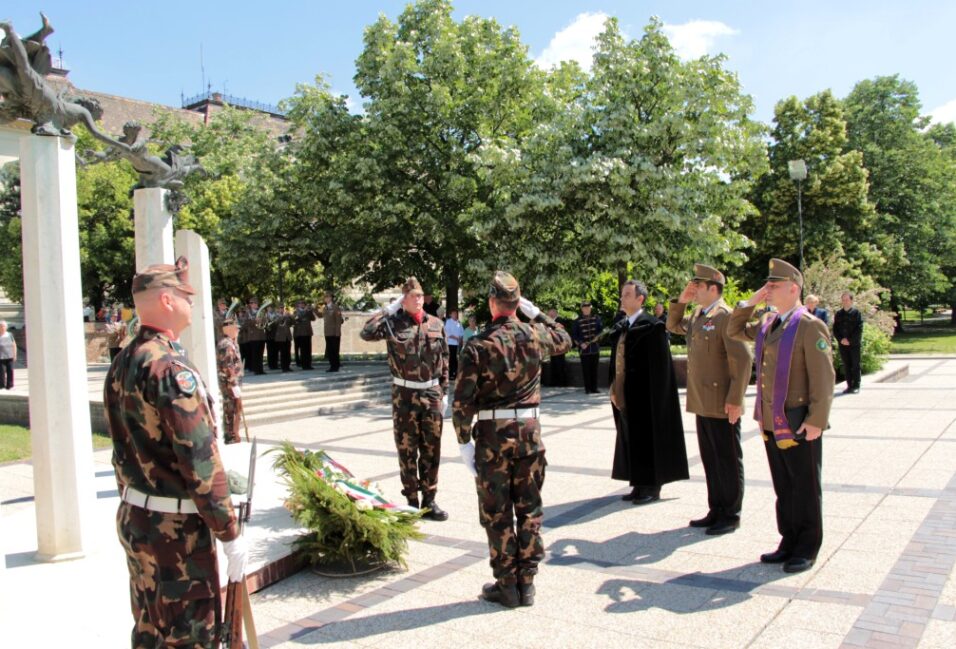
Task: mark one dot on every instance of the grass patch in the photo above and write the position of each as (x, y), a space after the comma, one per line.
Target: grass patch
(15, 443)
(934, 336)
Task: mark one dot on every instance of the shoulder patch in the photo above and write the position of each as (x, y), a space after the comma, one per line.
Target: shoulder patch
(186, 381)
(822, 344)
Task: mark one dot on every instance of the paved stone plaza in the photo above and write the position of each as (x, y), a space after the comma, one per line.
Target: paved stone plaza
(615, 574)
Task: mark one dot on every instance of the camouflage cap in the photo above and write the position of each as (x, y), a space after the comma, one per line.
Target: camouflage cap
(164, 276)
(585, 303)
(504, 287)
(782, 271)
(708, 274)
(227, 322)
(412, 285)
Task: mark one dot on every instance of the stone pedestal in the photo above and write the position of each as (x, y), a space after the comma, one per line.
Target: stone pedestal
(153, 228)
(59, 399)
(199, 340)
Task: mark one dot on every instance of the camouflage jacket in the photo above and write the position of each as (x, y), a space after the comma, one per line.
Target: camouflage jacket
(416, 352)
(228, 366)
(164, 435)
(500, 367)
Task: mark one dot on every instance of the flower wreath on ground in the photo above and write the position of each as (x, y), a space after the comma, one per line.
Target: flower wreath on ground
(349, 521)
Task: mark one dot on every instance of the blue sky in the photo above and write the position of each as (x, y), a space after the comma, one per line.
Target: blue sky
(260, 50)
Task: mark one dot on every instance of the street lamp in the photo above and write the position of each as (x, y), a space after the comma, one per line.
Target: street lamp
(798, 172)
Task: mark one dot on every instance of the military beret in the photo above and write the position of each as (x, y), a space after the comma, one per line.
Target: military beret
(164, 276)
(504, 287)
(782, 271)
(252, 300)
(585, 303)
(228, 321)
(708, 274)
(412, 285)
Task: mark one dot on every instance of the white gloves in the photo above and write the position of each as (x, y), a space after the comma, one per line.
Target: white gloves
(468, 457)
(237, 556)
(236, 392)
(528, 308)
(444, 405)
(392, 307)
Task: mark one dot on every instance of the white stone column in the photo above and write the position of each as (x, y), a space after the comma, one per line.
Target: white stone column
(59, 397)
(199, 339)
(153, 227)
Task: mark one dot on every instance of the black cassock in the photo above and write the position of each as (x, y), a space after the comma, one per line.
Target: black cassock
(650, 448)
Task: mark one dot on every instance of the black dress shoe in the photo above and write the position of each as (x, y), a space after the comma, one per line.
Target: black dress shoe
(526, 594)
(631, 496)
(706, 521)
(434, 512)
(722, 527)
(797, 564)
(505, 595)
(777, 556)
(645, 498)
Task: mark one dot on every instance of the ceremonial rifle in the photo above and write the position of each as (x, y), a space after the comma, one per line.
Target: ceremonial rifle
(238, 610)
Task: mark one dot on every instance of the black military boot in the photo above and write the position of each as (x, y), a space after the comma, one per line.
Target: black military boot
(434, 513)
(412, 500)
(506, 595)
(526, 593)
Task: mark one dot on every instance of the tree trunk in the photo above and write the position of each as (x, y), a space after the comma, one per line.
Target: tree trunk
(621, 277)
(452, 286)
(952, 313)
(898, 316)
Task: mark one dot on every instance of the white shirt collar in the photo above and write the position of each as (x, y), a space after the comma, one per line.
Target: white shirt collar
(711, 306)
(786, 316)
(632, 318)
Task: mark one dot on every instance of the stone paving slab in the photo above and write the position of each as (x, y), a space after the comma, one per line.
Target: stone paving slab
(615, 574)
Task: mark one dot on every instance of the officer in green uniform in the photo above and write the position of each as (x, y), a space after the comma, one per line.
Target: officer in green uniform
(418, 359)
(499, 382)
(173, 489)
(795, 380)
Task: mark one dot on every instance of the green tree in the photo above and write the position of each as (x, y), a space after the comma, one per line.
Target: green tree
(11, 262)
(644, 169)
(837, 214)
(436, 91)
(912, 185)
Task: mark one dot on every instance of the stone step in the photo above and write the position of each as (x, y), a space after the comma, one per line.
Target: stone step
(313, 385)
(319, 399)
(305, 411)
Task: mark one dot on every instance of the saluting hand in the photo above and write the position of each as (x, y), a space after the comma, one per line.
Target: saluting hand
(688, 294)
(759, 296)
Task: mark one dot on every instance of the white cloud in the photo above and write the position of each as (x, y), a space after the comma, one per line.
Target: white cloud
(696, 38)
(575, 42)
(944, 114)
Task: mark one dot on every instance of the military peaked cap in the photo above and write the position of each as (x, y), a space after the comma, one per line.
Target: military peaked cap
(708, 274)
(164, 276)
(782, 271)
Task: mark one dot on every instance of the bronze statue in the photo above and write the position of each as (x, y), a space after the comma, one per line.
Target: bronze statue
(24, 62)
(167, 172)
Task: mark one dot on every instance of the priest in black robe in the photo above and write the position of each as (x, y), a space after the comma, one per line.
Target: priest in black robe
(650, 448)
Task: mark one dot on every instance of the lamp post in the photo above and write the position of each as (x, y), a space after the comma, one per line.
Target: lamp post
(798, 172)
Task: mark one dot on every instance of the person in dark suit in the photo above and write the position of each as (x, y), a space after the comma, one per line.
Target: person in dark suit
(848, 330)
(586, 330)
(650, 450)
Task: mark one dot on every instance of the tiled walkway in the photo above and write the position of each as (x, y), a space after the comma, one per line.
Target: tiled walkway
(619, 575)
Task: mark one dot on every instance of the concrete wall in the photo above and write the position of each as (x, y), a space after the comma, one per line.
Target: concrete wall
(15, 409)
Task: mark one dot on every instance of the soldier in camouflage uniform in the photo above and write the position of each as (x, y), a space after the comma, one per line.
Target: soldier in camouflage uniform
(229, 369)
(499, 382)
(175, 497)
(218, 315)
(418, 358)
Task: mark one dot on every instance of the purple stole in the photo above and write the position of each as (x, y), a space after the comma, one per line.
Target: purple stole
(782, 434)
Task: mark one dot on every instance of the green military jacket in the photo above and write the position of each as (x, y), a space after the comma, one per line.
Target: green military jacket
(416, 352)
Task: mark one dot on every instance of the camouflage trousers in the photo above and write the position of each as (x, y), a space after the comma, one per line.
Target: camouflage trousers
(174, 578)
(510, 463)
(230, 418)
(417, 418)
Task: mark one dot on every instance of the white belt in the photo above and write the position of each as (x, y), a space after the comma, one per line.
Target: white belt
(508, 413)
(158, 503)
(415, 385)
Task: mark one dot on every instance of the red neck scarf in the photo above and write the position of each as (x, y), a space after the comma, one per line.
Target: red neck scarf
(418, 317)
